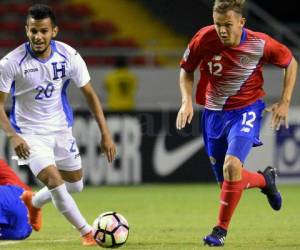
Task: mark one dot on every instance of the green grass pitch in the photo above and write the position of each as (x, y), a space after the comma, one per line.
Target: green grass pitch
(174, 217)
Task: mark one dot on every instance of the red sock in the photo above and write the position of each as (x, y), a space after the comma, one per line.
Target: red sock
(252, 179)
(230, 196)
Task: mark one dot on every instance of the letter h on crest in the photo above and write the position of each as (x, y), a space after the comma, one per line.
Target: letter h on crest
(57, 70)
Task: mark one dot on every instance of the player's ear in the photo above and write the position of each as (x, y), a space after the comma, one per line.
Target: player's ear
(26, 30)
(243, 21)
(55, 31)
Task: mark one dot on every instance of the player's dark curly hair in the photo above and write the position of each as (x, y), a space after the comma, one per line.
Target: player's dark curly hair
(41, 11)
(222, 6)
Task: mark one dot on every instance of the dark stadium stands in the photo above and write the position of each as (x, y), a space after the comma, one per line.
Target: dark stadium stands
(93, 37)
(188, 16)
(76, 24)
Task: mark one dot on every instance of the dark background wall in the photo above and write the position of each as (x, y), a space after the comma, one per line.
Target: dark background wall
(187, 16)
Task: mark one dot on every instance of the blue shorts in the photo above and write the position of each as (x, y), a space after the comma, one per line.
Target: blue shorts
(232, 132)
(14, 224)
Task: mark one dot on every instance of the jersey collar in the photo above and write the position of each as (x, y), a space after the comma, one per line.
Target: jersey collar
(244, 36)
(28, 48)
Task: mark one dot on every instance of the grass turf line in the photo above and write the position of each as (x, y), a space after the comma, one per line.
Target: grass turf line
(175, 217)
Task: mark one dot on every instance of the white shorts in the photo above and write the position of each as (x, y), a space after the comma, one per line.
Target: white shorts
(59, 149)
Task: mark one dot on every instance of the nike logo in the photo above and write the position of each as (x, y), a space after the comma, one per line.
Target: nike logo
(165, 162)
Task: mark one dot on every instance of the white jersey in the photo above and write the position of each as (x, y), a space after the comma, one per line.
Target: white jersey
(39, 87)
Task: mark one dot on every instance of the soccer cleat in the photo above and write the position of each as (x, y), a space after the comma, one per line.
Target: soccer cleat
(273, 195)
(35, 214)
(216, 238)
(88, 239)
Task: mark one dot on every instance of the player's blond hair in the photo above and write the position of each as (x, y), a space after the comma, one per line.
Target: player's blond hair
(222, 6)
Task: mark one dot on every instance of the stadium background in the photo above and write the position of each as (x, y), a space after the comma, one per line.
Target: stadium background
(153, 36)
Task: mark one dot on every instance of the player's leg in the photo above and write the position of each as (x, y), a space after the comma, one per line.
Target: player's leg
(41, 155)
(270, 189)
(216, 150)
(215, 144)
(249, 127)
(236, 178)
(73, 181)
(42, 164)
(68, 161)
(232, 187)
(69, 164)
(231, 192)
(240, 137)
(240, 147)
(62, 200)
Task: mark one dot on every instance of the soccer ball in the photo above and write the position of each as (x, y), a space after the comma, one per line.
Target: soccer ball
(111, 229)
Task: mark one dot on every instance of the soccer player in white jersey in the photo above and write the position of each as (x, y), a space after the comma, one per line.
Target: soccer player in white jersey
(37, 74)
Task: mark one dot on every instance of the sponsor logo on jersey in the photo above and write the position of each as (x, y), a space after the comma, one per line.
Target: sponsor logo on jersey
(186, 54)
(30, 70)
(217, 58)
(213, 160)
(245, 129)
(224, 203)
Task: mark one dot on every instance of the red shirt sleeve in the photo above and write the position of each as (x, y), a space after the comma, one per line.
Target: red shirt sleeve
(194, 52)
(9, 177)
(276, 53)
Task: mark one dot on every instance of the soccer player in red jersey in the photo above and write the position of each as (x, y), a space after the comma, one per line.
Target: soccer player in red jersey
(14, 213)
(230, 59)
(9, 177)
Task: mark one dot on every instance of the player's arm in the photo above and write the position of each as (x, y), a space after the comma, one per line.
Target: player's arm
(190, 60)
(280, 110)
(93, 101)
(5, 124)
(20, 146)
(186, 111)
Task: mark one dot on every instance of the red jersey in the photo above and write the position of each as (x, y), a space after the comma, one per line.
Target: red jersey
(9, 177)
(231, 77)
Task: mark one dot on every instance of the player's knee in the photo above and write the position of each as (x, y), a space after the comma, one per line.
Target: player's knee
(53, 182)
(75, 187)
(232, 168)
(51, 177)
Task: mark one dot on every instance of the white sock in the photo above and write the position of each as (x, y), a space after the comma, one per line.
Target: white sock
(43, 196)
(64, 202)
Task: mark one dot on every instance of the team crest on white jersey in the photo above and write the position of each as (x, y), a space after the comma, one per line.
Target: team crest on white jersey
(39, 88)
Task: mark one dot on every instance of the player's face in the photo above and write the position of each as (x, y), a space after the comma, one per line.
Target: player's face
(39, 33)
(229, 27)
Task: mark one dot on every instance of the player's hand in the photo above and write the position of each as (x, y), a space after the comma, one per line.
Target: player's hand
(185, 114)
(279, 115)
(108, 147)
(20, 146)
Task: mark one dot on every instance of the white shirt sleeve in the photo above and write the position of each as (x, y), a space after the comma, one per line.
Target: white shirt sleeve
(6, 75)
(80, 74)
